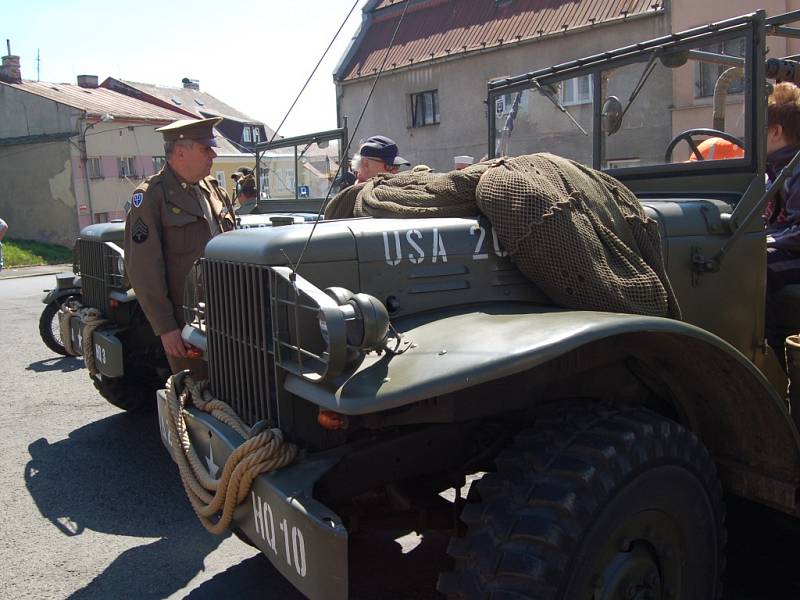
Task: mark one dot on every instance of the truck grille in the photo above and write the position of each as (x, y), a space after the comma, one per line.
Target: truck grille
(93, 259)
(238, 334)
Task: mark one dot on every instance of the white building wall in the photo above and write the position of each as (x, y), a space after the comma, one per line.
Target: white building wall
(461, 83)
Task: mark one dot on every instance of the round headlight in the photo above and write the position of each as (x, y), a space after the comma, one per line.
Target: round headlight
(121, 266)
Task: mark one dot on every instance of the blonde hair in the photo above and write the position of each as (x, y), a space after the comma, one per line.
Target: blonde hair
(783, 108)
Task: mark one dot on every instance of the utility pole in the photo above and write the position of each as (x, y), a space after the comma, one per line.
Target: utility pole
(38, 64)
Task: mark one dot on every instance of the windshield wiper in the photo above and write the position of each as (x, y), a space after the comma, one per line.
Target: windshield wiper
(548, 93)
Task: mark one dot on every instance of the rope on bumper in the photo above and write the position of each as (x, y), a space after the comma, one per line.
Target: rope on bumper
(264, 452)
(92, 319)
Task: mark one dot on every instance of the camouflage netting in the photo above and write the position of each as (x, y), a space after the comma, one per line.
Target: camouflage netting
(577, 233)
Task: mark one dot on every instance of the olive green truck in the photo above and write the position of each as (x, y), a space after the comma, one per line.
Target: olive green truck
(405, 355)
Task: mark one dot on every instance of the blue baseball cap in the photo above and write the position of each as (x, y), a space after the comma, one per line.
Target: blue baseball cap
(382, 148)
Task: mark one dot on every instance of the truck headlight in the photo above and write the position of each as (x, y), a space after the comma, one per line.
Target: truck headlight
(121, 266)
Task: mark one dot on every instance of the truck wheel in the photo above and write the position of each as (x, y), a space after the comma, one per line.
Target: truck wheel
(134, 392)
(602, 504)
(49, 329)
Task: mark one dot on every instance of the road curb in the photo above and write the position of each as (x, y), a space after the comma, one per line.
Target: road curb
(34, 271)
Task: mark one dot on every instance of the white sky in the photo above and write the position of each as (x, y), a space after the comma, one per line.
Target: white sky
(254, 55)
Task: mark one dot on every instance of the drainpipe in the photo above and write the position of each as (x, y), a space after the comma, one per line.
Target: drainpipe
(84, 160)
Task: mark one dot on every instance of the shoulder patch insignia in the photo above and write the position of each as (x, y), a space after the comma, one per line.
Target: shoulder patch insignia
(137, 199)
(140, 231)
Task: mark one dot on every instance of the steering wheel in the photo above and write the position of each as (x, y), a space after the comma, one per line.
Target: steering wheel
(689, 135)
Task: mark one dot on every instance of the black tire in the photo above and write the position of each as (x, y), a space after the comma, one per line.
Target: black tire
(601, 504)
(133, 392)
(49, 328)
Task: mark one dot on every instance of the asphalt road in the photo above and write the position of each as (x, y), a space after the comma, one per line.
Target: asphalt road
(92, 506)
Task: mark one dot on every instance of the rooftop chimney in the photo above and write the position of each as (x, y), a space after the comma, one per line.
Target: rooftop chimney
(10, 71)
(191, 84)
(87, 81)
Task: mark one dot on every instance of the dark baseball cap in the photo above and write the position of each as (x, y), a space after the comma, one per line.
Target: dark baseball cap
(382, 148)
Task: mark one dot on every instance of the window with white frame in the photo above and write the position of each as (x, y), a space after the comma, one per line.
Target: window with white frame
(256, 134)
(425, 108)
(127, 166)
(577, 90)
(221, 179)
(94, 168)
(158, 163)
(246, 134)
(708, 73)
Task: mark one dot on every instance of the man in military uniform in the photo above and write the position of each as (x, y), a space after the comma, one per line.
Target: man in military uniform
(172, 215)
(246, 192)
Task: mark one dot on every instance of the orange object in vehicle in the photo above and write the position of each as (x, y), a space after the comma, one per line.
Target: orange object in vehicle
(715, 148)
(194, 353)
(329, 419)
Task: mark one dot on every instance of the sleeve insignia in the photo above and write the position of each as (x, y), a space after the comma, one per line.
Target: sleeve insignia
(176, 210)
(137, 199)
(140, 231)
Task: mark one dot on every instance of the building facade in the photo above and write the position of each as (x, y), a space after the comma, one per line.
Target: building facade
(71, 154)
(431, 96)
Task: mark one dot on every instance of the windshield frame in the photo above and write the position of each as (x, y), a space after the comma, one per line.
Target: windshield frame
(747, 26)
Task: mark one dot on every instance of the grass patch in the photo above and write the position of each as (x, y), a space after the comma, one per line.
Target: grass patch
(24, 253)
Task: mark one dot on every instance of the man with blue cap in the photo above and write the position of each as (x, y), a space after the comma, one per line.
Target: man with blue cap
(378, 154)
(172, 215)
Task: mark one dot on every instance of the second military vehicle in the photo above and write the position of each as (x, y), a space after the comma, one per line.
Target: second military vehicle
(127, 355)
(403, 355)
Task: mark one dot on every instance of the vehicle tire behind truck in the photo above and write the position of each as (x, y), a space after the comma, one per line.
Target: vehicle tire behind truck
(600, 504)
(134, 391)
(49, 329)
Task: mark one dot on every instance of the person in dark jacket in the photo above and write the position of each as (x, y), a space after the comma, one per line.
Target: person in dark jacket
(782, 213)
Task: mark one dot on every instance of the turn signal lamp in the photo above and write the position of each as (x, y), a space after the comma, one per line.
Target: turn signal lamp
(113, 303)
(331, 420)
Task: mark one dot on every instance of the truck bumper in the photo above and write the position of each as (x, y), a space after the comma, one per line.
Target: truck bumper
(302, 538)
(106, 346)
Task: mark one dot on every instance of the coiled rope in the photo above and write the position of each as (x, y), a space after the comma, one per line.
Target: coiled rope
(263, 452)
(92, 319)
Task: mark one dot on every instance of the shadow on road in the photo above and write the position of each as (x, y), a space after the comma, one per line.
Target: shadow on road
(65, 364)
(113, 476)
(378, 571)
(762, 553)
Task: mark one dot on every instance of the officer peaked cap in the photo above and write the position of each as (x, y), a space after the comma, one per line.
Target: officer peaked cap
(198, 130)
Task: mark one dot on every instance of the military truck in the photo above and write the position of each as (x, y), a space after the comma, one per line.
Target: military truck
(405, 355)
(129, 357)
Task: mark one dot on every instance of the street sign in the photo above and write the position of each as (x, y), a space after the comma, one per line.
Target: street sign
(303, 191)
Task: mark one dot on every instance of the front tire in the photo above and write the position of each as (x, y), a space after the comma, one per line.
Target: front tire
(600, 504)
(133, 392)
(50, 330)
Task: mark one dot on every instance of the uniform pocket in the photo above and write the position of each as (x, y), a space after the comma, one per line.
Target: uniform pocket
(176, 225)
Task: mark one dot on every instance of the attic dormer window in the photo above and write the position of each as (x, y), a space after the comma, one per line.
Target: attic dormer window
(246, 134)
(199, 102)
(175, 101)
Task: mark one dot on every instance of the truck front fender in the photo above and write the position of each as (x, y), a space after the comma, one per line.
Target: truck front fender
(722, 396)
(67, 284)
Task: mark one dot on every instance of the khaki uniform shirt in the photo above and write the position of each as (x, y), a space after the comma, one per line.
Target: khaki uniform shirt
(166, 230)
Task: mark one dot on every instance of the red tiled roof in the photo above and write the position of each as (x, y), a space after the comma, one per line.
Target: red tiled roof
(98, 101)
(438, 28)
